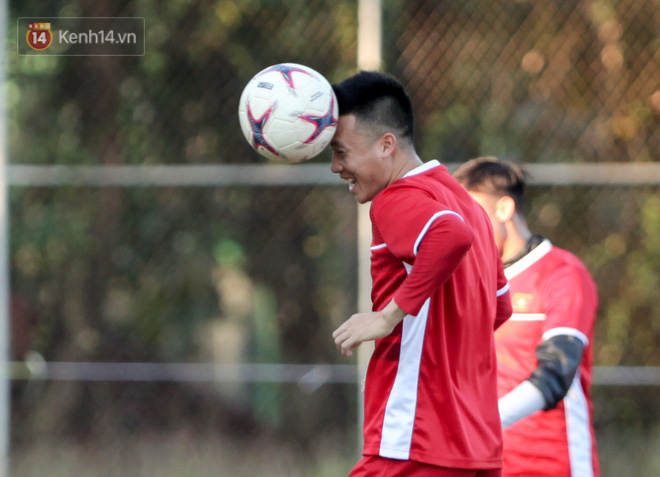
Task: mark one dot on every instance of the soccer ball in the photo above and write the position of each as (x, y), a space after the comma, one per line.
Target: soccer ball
(288, 112)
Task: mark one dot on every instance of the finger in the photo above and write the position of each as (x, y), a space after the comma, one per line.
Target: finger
(341, 333)
(348, 344)
(341, 329)
(344, 345)
(347, 349)
(343, 342)
(340, 337)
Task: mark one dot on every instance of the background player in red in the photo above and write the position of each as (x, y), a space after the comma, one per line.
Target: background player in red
(438, 293)
(544, 351)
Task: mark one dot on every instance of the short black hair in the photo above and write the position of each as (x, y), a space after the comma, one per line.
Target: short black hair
(378, 100)
(494, 176)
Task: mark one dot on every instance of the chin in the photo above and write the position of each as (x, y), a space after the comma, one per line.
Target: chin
(363, 199)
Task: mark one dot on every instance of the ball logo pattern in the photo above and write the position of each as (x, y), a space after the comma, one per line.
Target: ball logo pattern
(288, 112)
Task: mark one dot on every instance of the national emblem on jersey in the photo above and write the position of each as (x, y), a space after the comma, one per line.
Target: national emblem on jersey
(521, 302)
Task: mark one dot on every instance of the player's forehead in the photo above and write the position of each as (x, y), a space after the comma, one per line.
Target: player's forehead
(346, 132)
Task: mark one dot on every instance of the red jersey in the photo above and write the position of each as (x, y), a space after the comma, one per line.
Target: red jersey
(431, 391)
(552, 294)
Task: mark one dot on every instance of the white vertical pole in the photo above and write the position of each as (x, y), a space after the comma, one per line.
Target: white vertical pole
(369, 34)
(369, 58)
(4, 255)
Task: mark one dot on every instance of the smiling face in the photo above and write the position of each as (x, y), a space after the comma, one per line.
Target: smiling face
(364, 162)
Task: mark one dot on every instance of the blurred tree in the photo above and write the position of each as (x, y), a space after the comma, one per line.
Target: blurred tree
(127, 274)
(538, 81)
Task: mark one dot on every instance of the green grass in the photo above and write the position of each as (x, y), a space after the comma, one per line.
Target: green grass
(183, 455)
(176, 456)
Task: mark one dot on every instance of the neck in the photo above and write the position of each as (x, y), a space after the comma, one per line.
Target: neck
(404, 164)
(517, 236)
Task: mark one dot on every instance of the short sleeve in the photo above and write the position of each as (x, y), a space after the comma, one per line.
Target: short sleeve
(403, 215)
(570, 303)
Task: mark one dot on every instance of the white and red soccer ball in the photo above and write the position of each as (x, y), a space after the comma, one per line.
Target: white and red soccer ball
(288, 112)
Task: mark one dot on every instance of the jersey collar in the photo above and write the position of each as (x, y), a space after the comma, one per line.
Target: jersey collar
(528, 260)
(423, 168)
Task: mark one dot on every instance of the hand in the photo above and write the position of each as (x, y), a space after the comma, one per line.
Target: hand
(367, 326)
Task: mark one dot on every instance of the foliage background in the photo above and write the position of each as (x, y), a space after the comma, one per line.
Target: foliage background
(263, 275)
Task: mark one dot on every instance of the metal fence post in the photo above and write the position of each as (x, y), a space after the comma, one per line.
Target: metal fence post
(369, 58)
(4, 257)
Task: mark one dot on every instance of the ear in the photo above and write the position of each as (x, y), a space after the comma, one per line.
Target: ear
(387, 144)
(505, 208)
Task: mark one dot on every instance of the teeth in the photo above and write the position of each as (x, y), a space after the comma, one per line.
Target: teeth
(351, 183)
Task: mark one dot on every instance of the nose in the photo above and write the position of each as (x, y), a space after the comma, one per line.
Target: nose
(335, 165)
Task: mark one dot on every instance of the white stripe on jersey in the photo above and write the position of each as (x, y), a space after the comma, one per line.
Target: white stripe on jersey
(578, 430)
(527, 317)
(378, 247)
(528, 260)
(427, 166)
(564, 330)
(399, 420)
(428, 225)
(503, 290)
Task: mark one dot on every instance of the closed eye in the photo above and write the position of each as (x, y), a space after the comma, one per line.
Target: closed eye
(338, 152)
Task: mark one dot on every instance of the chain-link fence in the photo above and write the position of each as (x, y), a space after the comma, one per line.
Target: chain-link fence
(240, 275)
(539, 81)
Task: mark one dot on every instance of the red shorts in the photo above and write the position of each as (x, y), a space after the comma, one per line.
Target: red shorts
(375, 466)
